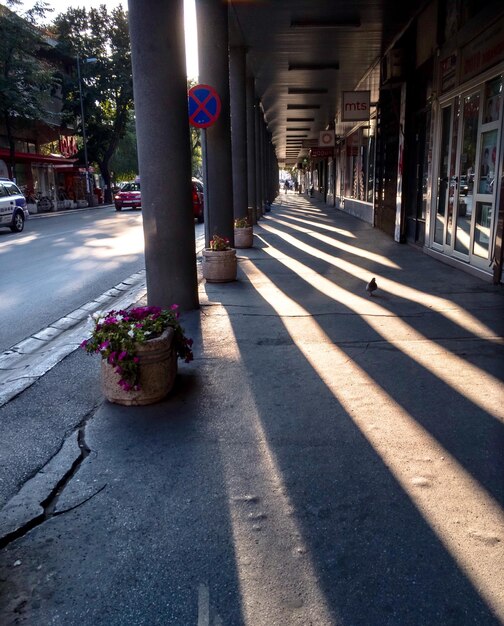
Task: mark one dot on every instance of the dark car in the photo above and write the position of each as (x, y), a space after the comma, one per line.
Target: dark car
(128, 197)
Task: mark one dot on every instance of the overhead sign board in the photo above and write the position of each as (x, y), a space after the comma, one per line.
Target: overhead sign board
(355, 106)
(204, 106)
(321, 152)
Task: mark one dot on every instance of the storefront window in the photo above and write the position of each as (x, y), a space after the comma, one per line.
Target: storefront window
(370, 167)
(493, 100)
(360, 165)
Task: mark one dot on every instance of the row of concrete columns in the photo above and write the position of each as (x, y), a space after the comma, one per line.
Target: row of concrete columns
(240, 168)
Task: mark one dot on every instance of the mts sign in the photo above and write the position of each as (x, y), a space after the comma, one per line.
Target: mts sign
(355, 106)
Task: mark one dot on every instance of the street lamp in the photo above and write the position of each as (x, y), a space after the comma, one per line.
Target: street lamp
(86, 164)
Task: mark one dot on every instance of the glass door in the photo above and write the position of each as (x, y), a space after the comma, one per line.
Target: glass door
(485, 189)
(443, 179)
(447, 180)
(464, 179)
(468, 163)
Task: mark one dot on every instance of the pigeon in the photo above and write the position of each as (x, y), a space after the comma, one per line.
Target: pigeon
(371, 286)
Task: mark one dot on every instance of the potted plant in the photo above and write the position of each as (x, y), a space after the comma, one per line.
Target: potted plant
(243, 233)
(219, 261)
(139, 350)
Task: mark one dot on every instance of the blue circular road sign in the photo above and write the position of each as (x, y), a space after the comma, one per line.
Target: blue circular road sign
(204, 106)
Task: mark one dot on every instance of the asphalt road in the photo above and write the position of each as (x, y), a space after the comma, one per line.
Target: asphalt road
(61, 261)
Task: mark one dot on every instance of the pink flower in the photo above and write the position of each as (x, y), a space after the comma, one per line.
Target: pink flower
(122, 355)
(125, 385)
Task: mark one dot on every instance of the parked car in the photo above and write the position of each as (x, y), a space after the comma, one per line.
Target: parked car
(128, 197)
(13, 209)
(198, 200)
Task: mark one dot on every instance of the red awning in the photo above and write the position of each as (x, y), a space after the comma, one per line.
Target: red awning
(36, 158)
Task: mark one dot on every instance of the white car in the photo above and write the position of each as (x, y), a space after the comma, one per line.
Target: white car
(13, 210)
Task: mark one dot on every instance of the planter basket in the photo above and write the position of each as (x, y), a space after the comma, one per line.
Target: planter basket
(244, 237)
(219, 266)
(158, 368)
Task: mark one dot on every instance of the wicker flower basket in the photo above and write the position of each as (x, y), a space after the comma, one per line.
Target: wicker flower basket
(158, 368)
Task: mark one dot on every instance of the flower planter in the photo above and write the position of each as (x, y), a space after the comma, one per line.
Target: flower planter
(158, 368)
(244, 237)
(219, 266)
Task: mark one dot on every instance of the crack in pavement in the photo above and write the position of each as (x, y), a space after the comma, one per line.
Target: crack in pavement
(26, 510)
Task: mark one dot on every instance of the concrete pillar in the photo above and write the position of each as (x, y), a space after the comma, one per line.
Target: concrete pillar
(266, 158)
(237, 82)
(162, 126)
(272, 171)
(259, 158)
(212, 20)
(251, 157)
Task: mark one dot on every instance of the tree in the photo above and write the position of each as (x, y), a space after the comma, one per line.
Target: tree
(27, 79)
(107, 83)
(124, 163)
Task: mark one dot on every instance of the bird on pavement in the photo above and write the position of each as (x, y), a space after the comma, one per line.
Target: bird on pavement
(371, 286)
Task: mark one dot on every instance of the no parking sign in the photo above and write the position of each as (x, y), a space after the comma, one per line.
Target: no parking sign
(204, 106)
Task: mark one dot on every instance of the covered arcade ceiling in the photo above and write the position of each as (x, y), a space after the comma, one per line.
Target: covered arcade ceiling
(305, 53)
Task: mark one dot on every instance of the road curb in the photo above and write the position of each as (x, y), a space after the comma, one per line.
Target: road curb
(23, 364)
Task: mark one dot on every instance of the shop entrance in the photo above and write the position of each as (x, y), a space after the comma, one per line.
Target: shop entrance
(463, 224)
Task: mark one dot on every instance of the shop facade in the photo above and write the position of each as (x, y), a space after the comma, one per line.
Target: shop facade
(427, 165)
(465, 218)
(51, 178)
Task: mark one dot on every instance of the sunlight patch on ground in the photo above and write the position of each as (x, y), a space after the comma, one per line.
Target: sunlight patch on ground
(441, 306)
(365, 254)
(108, 247)
(465, 517)
(318, 224)
(20, 241)
(266, 537)
(7, 303)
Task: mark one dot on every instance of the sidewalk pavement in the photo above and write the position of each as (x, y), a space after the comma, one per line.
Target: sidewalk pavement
(329, 457)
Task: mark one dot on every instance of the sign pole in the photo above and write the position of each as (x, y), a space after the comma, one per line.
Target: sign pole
(205, 187)
(204, 110)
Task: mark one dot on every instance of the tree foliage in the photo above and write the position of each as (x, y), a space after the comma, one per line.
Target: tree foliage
(27, 79)
(124, 163)
(106, 83)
